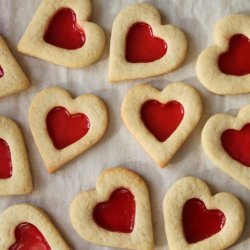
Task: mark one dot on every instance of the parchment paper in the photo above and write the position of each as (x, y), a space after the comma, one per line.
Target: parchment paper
(54, 193)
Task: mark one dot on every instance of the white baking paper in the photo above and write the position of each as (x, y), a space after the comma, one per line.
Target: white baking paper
(54, 193)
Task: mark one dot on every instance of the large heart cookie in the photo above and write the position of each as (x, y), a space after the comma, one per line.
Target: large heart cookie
(60, 33)
(224, 68)
(117, 213)
(226, 141)
(161, 120)
(63, 127)
(12, 78)
(194, 219)
(15, 176)
(142, 47)
(26, 227)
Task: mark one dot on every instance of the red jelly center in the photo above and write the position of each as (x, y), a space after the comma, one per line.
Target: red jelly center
(162, 119)
(200, 223)
(1, 72)
(63, 31)
(117, 214)
(28, 237)
(64, 128)
(5, 160)
(236, 61)
(142, 46)
(237, 144)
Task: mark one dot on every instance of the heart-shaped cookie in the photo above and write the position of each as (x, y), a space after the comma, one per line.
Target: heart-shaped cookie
(61, 34)
(225, 67)
(15, 176)
(161, 120)
(141, 46)
(12, 78)
(117, 213)
(226, 141)
(194, 219)
(27, 227)
(63, 127)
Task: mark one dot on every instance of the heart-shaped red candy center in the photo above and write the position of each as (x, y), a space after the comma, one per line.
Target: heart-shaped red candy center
(117, 214)
(142, 46)
(63, 31)
(28, 237)
(199, 223)
(237, 144)
(1, 72)
(236, 61)
(162, 119)
(5, 160)
(64, 128)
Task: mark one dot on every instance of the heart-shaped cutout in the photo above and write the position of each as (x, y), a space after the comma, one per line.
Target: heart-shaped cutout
(5, 160)
(162, 119)
(236, 61)
(237, 144)
(1, 72)
(194, 219)
(29, 237)
(118, 211)
(199, 223)
(226, 141)
(63, 31)
(25, 227)
(60, 33)
(64, 128)
(15, 176)
(224, 68)
(117, 214)
(142, 46)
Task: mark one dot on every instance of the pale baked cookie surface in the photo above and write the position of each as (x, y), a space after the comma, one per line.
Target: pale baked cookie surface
(188, 206)
(120, 68)
(184, 101)
(12, 78)
(15, 176)
(14, 229)
(231, 36)
(54, 116)
(33, 42)
(232, 156)
(139, 235)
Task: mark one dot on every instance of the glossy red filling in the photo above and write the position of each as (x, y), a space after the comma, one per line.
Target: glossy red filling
(236, 61)
(64, 128)
(28, 237)
(142, 46)
(237, 144)
(1, 72)
(117, 214)
(63, 31)
(199, 223)
(5, 160)
(162, 119)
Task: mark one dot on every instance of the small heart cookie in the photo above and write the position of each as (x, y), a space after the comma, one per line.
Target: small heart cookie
(194, 219)
(117, 213)
(27, 227)
(225, 67)
(12, 78)
(63, 127)
(142, 47)
(61, 34)
(161, 120)
(226, 141)
(15, 176)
